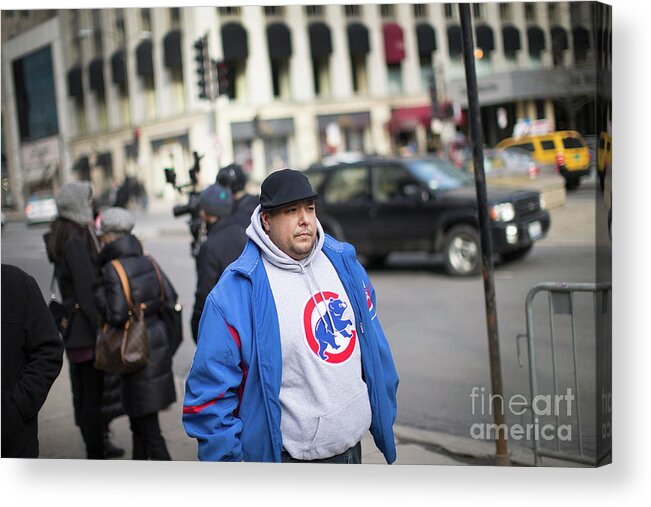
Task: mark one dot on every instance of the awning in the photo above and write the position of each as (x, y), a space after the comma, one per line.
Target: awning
(511, 38)
(536, 39)
(320, 40)
(81, 164)
(279, 41)
(358, 39)
(104, 160)
(144, 60)
(119, 67)
(581, 38)
(234, 42)
(172, 47)
(454, 41)
(559, 38)
(75, 88)
(394, 46)
(426, 39)
(408, 118)
(246, 130)
(358, 120)
(96, 71)
(485, 39)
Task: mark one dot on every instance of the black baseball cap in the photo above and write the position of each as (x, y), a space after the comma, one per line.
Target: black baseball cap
(285, 187)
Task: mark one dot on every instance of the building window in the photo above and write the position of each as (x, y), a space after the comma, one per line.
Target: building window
(448, 10)
(274, 10)
(34, 88)
(120, 31)
(280, 78)
(352, 11)
(506, 12)
(313, 11)
(387, 10)
(321, 73)
(394, 73)
(229, 11)
(478, 11)
(145, 20)
(97, 32)
(553, 12)
(175, 16)
(75, 42)
(359, 73)
(530, 11)
(420, 10)
(426, 71)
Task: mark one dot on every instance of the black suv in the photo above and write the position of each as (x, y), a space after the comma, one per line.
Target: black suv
(384, 205)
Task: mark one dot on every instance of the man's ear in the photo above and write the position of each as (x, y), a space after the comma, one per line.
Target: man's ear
(264, 218)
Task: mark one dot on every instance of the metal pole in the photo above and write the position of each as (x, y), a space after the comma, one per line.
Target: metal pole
(502, 457)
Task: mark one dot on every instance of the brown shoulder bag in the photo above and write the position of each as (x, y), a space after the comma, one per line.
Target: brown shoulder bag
(123, 350)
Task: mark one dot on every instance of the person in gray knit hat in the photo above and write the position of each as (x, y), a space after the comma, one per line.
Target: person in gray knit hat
(146, 391)
(74, 202)
(225, 240)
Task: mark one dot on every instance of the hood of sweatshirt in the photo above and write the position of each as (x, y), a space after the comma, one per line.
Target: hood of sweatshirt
(275, 255)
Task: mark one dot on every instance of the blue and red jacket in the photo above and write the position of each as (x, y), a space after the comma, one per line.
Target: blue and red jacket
(232, 392)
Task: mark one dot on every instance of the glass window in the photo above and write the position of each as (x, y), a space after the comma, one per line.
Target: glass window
(280, 78)
(505, 12)
(439, 174)
(229, 11)
(321, 74)
(530, 11)
(97, 31)
(387, 10)
(478, 11)
(525, 146)
(145, 20)
(34, 88)
(276, 156)
(420, 10)
(175, 16)
(352, 10)
(359, 74)
(449, 10)
(394, 184)
(346, 185)
(547, 145)
(274, 10)
(313, 10)
(394, 73)
(572, 142)
(553, 12)
(120, 31)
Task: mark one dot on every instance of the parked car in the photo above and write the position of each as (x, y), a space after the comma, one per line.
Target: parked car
(40, 207)
(565, 149)
(384, 205)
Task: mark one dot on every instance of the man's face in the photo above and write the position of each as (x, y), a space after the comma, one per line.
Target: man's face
(292, 228)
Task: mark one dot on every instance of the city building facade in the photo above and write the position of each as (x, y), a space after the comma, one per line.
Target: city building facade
(118, 89)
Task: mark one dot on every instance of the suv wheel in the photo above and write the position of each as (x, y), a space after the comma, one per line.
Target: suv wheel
(462, 250)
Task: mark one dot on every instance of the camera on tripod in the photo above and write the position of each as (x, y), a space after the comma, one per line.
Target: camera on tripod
(192, 206)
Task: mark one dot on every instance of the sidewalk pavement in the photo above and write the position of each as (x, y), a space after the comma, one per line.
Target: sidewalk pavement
(59, 437)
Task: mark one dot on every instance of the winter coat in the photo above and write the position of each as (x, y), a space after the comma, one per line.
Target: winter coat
(232, 404)
(151, 388)
(243, 208)
(224, 244)
(32, 355)
(78, 278)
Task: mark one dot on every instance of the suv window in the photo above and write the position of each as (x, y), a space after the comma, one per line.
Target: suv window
(572, 142)
(547, 145)
(346, 185)
(525, 146)
(394, 183)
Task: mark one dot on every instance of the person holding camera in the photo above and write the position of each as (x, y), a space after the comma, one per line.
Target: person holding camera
(244, 204)
(225, 240)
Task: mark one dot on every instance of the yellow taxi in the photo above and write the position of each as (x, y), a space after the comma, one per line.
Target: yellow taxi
(565, 149)
(604, 155)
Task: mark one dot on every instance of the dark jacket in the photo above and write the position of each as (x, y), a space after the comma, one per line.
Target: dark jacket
(224, 244)
(32, 355)
(243, 208)
(150, 389)
(78, 278)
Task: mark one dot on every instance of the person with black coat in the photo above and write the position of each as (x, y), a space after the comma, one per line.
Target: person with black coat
(72, 247)
(32, 356)
(150, 389)
(225, 240)
(244, 204)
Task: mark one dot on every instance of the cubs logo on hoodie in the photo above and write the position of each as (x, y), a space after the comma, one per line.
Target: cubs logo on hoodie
(329, 328)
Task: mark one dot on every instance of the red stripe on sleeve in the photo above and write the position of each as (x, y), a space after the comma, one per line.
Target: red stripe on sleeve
(240, 390)
(199, 408)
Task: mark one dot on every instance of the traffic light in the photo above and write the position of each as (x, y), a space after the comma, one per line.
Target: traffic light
(225, 78)
(203, 66)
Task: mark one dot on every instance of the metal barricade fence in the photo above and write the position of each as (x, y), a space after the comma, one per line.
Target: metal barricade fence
(562, 302)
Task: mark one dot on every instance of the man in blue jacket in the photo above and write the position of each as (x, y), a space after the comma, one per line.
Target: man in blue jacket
(292, 364)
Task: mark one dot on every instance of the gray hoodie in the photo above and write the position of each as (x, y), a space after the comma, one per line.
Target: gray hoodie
(325, 405)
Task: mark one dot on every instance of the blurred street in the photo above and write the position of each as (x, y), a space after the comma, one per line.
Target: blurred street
(435, 325)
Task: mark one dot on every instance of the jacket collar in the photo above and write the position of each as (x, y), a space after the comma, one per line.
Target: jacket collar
(126, 246)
